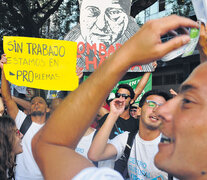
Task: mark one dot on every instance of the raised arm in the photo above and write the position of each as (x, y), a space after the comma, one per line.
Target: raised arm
(100, 149)
(12, 108)
(1, 107)
(24, 103)
(53, 146)
(142, 83)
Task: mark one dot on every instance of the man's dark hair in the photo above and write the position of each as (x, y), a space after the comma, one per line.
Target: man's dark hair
(133, 106)
(43, 97)
(128, 87)
(157, 92)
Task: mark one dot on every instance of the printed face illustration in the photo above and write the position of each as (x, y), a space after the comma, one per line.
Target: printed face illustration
(102, 21)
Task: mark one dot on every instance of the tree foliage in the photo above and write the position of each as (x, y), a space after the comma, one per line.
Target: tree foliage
(140, 5)
(25, 17)
(66, 17)
(182, 7)
(37, 18)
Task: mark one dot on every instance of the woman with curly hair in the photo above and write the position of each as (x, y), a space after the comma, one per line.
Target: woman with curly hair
(10, 145)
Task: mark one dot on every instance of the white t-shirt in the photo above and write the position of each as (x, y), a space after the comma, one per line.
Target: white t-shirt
(26, 168)
(83, 148)
(84, 144)
(141, 160)
(94, 173)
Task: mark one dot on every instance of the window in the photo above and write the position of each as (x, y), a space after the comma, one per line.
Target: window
(157, 80)
(179, 78)
(170, 79)
(180, 2)
(161, 5)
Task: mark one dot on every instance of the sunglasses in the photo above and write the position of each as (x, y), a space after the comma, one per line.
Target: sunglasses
(153, 104)
(133, 110)
(17, 132)
(118, 95)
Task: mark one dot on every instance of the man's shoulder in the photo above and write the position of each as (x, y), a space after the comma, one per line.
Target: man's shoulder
(20, 117)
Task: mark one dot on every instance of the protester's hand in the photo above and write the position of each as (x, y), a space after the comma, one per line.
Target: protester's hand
(79, 72)
(202, 45)
(3, 60)
(117, 106)
(146, 43)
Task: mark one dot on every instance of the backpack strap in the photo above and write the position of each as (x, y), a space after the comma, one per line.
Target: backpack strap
(127, 151)
(95, 162)
(25, 125)
(128, 146)
(170, 177)
(121, 163)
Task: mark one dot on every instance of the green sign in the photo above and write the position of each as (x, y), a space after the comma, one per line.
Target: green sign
(133, 83)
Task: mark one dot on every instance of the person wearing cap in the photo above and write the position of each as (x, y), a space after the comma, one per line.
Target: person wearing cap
(135, 111)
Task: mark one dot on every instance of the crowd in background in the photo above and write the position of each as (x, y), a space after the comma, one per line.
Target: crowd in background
(104, 142)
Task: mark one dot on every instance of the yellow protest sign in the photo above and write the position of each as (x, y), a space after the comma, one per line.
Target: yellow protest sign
(41, 63)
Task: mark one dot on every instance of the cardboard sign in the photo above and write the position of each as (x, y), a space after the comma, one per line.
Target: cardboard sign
(41, 63)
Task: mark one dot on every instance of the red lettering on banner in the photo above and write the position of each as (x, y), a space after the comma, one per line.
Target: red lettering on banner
(88, 62)
(118, 46)
(139, 66)
(111, 50)
(81, 45)
(92, 48)
(102, 50)
(102, 59)
(102, 54)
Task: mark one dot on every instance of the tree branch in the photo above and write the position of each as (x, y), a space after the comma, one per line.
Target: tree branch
(49, 12)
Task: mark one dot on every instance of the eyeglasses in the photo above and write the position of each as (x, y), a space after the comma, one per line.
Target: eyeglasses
(118, 95)
(153, 104)
(18, 132)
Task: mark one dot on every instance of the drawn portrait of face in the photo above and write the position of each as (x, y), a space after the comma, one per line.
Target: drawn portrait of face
(103, 21)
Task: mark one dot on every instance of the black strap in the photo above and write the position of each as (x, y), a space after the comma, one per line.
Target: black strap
(96, 131)
(130, 141)
(26, 124)
(95, 162)
(170, 177)
(121, 164)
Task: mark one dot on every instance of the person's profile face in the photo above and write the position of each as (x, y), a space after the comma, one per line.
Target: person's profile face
(102, 21)
(184, 123)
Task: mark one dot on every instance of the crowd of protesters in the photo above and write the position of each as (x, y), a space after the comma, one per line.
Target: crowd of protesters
(57, 141)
